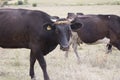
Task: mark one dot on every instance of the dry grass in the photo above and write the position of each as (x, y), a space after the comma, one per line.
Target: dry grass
(68, 2)
(63, 10)
(75, 2)
(94, 65)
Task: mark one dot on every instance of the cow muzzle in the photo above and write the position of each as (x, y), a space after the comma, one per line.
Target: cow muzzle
(64, 48)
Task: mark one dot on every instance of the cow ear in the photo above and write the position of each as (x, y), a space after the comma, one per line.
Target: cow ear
(76, 26)
(48, 27)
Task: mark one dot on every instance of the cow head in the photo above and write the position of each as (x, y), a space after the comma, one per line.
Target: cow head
(62, 29)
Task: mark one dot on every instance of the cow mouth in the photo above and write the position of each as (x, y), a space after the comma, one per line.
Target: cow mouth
(64, 48)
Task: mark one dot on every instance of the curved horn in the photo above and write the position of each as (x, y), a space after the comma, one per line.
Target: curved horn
(54, 18)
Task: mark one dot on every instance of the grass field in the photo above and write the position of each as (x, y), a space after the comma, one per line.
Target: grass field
(67, 2)
(75, 2)
(94, 63)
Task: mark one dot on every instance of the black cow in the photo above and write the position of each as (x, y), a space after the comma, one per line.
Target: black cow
(95, 27)
(34, 30)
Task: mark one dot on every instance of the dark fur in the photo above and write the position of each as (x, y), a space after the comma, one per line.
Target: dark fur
(95, 27)
(20, 28)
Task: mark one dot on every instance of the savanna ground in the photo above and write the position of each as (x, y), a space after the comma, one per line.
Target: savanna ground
(94, 63)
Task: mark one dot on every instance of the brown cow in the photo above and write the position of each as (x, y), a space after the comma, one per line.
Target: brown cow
(95, 27)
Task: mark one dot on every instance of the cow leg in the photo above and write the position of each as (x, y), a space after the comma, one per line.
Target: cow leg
(42, 63)
(37, 54)
(32, 62)
(109, 48)
(67, 52)
(76, 53)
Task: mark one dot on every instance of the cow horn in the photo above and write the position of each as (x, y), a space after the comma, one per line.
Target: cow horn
(54, 20)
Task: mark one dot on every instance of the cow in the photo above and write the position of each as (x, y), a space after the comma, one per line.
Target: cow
(74, 42)
(96, 27)
(93, 22)
(34, 30)
(74, 39)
